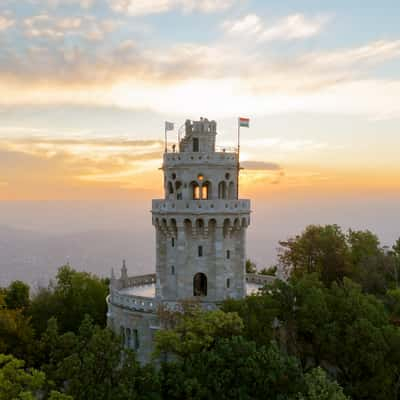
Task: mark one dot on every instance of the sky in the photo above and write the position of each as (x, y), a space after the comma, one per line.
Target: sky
(86, 86)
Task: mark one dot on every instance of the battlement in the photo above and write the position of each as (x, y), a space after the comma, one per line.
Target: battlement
(199, 136)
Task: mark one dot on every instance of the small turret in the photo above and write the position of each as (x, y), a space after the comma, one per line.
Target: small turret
(124, 274)
(199, 136)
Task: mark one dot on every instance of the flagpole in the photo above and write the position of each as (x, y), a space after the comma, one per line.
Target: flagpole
(238, 164)
(165, 137)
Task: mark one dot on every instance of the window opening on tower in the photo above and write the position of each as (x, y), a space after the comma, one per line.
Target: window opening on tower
(195, 145)
(200, 284)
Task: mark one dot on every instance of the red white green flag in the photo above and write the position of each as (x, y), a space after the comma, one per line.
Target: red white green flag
(244, 122)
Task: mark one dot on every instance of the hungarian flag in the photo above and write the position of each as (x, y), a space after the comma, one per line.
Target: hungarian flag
(244, 122)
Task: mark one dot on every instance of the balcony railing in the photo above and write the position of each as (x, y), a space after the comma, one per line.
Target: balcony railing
(220, 205)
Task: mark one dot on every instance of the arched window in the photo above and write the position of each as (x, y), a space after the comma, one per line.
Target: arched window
(178, 185)
(228, 254)
(228, 283)
(200, 284)
(170, 188)
(231, 194)
(128, 338)
(173, 270)
(206, 190)
(222, 190)
(200, 251)
(195, 190)
(136, 339)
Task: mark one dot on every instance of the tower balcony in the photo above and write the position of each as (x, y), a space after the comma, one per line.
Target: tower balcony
(220, 206)
(223, 157)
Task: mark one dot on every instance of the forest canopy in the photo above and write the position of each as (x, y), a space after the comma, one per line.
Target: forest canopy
(329, 330)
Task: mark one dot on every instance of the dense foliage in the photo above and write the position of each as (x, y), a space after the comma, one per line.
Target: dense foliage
(330, 331)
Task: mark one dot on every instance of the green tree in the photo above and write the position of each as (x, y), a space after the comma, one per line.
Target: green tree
(98, 368)
(363, 245)
(17, 295)
(18, 383)
(251, 267)
(319, 249)
(73, 295)
(197, 331)
(16, 333)
(233, 369)
(269, 271)
(320, 387)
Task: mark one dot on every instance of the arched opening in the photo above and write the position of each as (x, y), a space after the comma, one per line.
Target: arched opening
(200, 284)
(187, 224)
(226, 227)
(136, 343)
(222, 190)
(206, 190)
(128, 338)
(231, 191)
(200, 227)
(195, 190)
(178, 186)
(170, 188)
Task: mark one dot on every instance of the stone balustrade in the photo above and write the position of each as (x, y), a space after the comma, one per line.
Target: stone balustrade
(140, 280)
(216, 158)
(201, 206)
(134, 302)
(260, 279)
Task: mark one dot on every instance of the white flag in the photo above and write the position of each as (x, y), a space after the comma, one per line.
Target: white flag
(169, 126)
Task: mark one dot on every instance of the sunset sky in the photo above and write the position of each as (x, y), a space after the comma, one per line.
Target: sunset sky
(87, 84)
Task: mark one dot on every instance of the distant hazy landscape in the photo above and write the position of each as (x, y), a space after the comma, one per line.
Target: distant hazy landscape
(38, 237)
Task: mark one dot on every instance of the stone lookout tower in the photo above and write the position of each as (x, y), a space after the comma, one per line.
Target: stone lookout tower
(200, 223)
(200, 227)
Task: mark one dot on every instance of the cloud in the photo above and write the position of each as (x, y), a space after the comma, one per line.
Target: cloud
(46, 26)
(372, 53)
(296, 26)
(6, 23)
(85, 4)
(145, 7)
(229, 76)
(69, 164)
(260, 165)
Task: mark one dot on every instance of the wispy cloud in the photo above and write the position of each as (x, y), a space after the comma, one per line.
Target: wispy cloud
(71, 163)
(296, 26)
(85, 4)
(57, 28)
(260, 165)
(145, 7)
(6, 22)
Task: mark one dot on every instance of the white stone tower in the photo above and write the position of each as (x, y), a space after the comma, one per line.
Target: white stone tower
(200, 224)
(200, 241)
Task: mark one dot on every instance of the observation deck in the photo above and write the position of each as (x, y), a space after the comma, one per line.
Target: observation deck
(140, 293)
